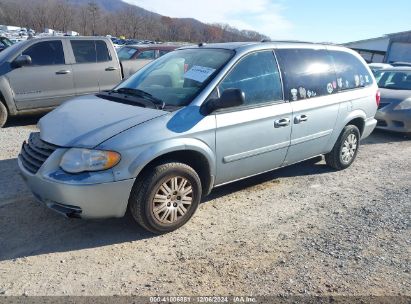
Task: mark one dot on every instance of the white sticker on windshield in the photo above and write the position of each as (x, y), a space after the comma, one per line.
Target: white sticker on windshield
(199, 73)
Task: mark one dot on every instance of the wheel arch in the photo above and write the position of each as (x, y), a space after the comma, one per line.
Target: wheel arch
(359, 122)
(191, 152)
(6, 96)
(357, 118)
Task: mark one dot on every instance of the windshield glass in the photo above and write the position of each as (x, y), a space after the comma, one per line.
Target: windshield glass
(125, 53)
(178, 77)
(10, 50)
(394, 80)
(5, 42)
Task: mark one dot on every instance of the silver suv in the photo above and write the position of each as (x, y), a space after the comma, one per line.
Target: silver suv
(195, 119)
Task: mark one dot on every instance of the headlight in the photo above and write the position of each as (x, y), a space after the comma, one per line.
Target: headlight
(405, 105)
(83, 160)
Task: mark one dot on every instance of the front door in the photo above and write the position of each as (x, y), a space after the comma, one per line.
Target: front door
(47, 82)
(253, 138)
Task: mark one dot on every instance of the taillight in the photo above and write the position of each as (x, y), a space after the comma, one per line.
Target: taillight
(378, 98)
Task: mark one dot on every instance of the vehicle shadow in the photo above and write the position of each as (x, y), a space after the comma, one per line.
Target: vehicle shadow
(12, 186)
(27, 228)
(385, 137)
(24, 120)
(314, 166)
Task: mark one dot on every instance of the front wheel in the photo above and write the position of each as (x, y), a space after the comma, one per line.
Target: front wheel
(166, 197)
(345, 149)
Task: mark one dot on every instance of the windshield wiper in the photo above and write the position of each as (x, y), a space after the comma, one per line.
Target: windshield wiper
(158, 103)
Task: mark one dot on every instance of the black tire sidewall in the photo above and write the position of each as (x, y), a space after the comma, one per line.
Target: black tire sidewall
(348, 131)
(3, 114)
(152, 188)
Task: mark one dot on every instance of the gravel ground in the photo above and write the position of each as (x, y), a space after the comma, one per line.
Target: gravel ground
(299, 230)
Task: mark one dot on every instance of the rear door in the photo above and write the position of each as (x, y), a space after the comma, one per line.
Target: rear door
(94, 67)
(311, 87)
(110, 74)
(255, 137)
(48, 81)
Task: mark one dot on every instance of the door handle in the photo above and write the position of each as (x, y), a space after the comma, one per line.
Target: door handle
(284, 122)
(111, 69)
(63, 72)
(300, 118)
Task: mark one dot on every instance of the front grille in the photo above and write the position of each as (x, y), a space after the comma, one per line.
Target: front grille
(35, 152)
(382, 123)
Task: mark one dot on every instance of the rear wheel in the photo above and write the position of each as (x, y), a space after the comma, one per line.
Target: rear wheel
(345, 149)
(165, 198)
(3, 114)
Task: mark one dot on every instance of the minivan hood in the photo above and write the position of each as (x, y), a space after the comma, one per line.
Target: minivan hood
(86, 122)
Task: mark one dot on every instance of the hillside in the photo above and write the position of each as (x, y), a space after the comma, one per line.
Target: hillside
(116, 18)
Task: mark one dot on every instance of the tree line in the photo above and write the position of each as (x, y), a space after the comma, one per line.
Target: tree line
(89, 18)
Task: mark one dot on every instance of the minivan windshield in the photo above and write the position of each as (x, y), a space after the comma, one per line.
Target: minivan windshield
(178, 77)
(394, 80)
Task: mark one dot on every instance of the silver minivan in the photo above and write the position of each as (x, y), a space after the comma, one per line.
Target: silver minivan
(196, 119)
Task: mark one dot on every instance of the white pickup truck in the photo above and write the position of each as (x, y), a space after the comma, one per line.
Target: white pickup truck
(39, 74)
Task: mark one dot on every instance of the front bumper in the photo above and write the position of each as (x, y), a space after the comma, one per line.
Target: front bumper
(391, 120)
(89, 201)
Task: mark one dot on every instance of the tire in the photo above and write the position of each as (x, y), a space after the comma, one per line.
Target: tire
(151, 193)
(3, 114)
(345, 149)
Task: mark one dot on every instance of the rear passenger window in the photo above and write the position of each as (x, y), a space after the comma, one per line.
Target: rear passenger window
(257, 76)
(90, 51)
(102, 51)
(46, 53)
(351, 72)
(308, 73)
(84, 51)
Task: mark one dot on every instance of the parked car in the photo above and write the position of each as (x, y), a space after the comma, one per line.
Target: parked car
(5, 43)
(378, 66)
(135, 57)
(39, 74)
(394, 112)
(401, 64)
(195, 119)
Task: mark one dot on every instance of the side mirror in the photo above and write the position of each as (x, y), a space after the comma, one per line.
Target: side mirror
(22, 60)
(229, 98)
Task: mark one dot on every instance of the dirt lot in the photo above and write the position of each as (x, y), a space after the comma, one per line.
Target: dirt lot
(300, 230)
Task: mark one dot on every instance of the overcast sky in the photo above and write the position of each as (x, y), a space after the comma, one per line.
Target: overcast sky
(311, 20)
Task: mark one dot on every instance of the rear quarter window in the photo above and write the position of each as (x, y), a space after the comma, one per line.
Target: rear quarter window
(351, 72)
(307, 73)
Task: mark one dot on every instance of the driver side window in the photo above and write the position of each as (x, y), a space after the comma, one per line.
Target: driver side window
(257, 75)
(46, 53)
